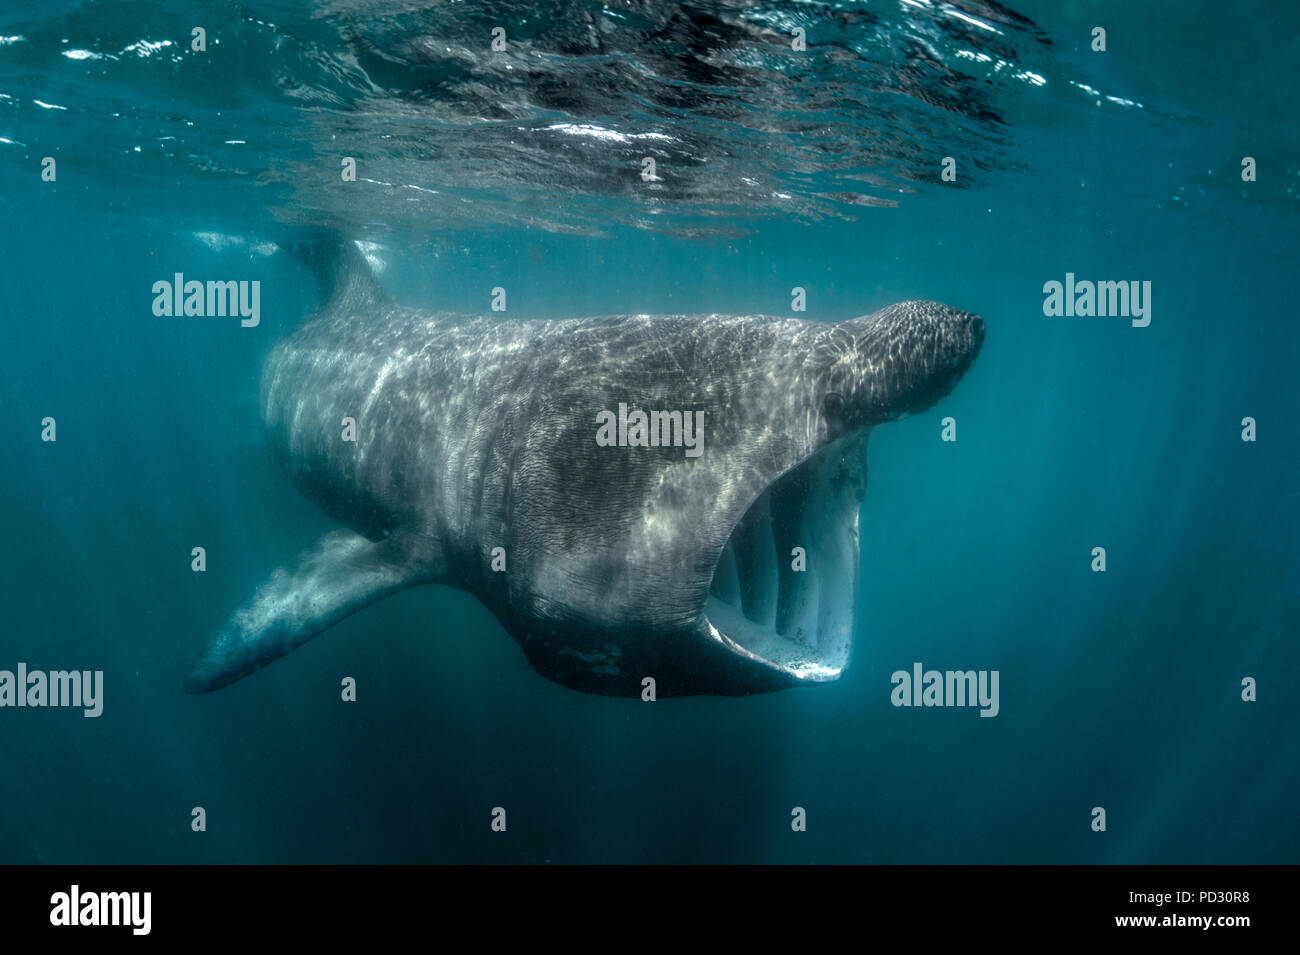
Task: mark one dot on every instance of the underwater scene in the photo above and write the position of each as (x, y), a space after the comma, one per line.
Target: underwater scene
(647, 432)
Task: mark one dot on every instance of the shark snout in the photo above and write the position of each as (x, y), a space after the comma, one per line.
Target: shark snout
(975, 324)
(967, 340)
(945, 342)
(953, 336)
(907, 357)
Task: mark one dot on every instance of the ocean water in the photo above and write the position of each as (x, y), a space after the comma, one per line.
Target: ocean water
(775, 168)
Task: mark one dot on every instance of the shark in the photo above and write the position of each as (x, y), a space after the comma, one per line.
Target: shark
(635, 497)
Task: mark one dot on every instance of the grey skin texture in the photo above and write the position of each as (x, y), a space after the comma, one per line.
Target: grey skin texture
(621, 563)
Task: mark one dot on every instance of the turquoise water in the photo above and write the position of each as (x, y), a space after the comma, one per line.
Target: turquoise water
(521, 170)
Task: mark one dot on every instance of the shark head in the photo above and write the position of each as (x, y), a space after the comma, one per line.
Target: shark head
(736, 571)
(783, 592)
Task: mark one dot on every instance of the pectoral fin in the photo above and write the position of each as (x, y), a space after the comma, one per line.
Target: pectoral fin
(341, 574)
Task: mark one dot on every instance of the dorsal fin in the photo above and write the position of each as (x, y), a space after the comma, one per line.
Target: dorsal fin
(345, 278)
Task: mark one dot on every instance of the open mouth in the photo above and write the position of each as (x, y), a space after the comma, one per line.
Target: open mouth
(760, 603)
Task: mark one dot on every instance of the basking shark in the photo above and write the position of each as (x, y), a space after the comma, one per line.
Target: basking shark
(633, 496)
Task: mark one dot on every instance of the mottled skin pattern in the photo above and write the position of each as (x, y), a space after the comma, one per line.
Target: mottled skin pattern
(478, 433)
